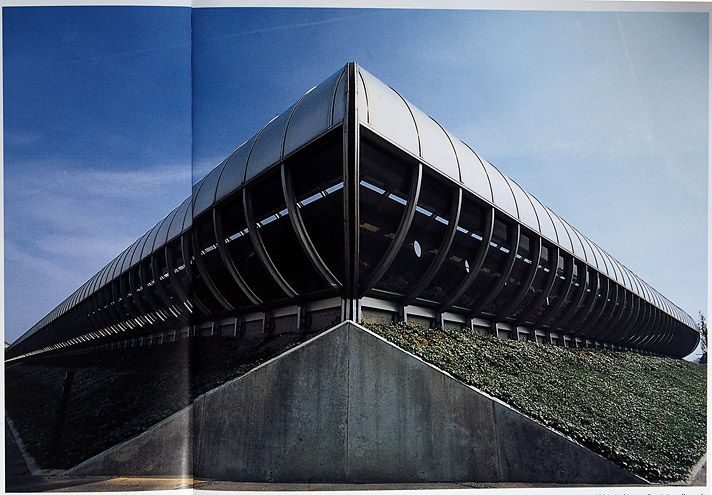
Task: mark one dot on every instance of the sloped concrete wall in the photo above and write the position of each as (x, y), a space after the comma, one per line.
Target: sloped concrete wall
(165, 449)
(347, 406)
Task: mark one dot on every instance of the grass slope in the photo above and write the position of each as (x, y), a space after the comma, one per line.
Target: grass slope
(645, 413)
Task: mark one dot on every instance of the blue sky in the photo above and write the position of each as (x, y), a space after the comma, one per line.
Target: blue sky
(602, 116)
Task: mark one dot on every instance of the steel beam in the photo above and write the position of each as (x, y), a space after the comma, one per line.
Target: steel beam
(546, 291)
(205, 274)
(228, 261)
(527, 283)
(443, 249)
(351, 173)
(300, 231)
(476, 264)
(401, 234)
(514, 233)
(259, 246)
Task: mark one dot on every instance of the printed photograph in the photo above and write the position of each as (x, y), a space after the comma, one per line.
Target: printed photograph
(354, 248)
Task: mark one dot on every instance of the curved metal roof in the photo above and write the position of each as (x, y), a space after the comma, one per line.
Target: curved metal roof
(385, 112)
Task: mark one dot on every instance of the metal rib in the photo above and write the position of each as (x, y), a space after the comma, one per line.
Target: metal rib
(443, 250)
(259, 247)
(228, 261)
(205, 275)
(527, 283)
(402, 232)
(476, 265)
(546, 291)
(295, 218)
(494, 292)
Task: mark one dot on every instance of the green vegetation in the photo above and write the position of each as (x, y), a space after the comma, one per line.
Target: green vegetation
(645, 413)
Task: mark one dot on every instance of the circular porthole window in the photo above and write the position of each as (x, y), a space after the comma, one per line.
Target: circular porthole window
(418, 250)
(467, 266)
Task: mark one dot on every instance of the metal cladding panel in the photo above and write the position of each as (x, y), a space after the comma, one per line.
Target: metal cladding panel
(206, 196)
(82, 291)
(561, 233)
(630, 279)
(602, 261)
(111, 270)
(313, 115)
(127, 259)
(546, 224)
(622, 275)
(590, 255)
(148, 245)
(635, 287)
(176, 226)
(136, 255)
(502, 194)
(656, 299)
(361, 97)
(527, 213)
(104, 275)
(575, 241)
(338, 111)
(651, 296)
(665, 303)
(473, 172)
(612, 268)
(188, 218)
(388, 114)
(267, 149)
(162, 232)
(435, 145)
(645, 293)
(619, 270)
(119, 269)
(95, 282)
(233, 174)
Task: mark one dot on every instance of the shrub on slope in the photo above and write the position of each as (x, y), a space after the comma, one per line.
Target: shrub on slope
(645, 413)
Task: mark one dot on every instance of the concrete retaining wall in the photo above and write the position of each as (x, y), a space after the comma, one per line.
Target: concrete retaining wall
(348, 406)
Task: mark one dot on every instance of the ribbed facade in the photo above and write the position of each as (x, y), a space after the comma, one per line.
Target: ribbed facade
(355, 195)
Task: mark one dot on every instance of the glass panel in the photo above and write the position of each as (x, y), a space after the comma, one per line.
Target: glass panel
(522, 267)
(491, 270)
(243, 254)
(278, 237)
(219, 274)
(385, 181)
(423, 239)
(556, 290)
(463, 251)
(317, 178)
(540, 279)
(578, 279)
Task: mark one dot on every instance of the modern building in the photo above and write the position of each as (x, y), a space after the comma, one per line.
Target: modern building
(354, 204)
